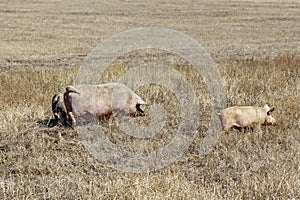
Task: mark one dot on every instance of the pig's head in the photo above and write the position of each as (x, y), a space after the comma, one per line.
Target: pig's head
(270, 120)
(58, 106)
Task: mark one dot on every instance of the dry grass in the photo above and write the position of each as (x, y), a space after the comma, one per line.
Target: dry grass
(36, 164)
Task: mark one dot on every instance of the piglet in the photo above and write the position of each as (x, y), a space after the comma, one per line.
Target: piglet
(246, 116)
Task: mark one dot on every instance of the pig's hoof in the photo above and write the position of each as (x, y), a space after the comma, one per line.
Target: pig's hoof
(73, 124)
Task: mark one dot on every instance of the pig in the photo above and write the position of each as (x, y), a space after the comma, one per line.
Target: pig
(58, 106)
(246, 116)
(98, 101)
(59, 110)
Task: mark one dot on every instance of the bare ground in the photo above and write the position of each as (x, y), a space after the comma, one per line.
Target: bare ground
(37, 30)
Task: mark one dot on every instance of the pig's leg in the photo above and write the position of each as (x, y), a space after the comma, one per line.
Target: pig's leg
(73, 121)
(110, 119)
(68, 105)
(259, 129)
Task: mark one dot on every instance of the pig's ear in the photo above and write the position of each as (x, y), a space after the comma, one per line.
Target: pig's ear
(270, 111)
(71, 89)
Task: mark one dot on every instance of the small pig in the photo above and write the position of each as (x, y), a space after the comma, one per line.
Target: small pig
(246, 116)
(97, 101)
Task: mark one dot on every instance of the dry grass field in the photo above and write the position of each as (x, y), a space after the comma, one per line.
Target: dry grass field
(256, 47)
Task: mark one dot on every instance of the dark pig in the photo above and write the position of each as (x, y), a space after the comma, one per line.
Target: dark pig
(58, 107)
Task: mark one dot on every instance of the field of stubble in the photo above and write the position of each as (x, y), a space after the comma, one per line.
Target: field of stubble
(256, 47)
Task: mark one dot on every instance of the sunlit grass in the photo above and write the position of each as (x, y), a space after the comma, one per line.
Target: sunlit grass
(36, 164)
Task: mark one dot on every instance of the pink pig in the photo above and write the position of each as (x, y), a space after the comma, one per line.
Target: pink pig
(97, 101)
(246, 116)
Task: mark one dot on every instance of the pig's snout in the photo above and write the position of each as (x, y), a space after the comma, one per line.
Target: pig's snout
(139, 111)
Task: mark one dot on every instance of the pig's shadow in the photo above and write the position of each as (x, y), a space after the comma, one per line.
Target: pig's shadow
(243, 129)
(51, 123)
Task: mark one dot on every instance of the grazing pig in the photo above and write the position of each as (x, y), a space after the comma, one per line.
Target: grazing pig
(97, 101)
(246, 116)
